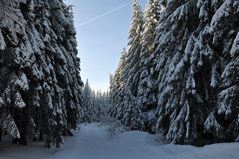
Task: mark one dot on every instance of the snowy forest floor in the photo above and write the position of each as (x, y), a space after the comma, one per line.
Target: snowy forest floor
(92, 142)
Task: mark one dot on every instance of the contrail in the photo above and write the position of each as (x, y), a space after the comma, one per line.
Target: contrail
(103, 15)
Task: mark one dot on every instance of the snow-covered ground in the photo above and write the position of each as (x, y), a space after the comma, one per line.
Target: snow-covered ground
(92, 142)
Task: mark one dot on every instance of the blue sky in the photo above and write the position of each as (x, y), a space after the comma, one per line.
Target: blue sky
(102, 31)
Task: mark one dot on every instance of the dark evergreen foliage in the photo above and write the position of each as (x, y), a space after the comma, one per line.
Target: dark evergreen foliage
(40, 95)
(186, 80)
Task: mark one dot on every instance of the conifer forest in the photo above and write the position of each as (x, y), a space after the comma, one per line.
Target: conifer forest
(174, 93)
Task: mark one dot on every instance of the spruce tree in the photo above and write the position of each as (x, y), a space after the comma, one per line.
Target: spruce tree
(40, 82)
(132, 68)
(88, 97)
(117, 87)
(194, 62)
(146, 97)
(134, 48)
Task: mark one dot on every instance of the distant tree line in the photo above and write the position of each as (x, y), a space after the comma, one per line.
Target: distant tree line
(95, 104)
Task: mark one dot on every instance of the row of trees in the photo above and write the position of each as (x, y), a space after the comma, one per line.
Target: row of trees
(94, 104)
(179, 74)
(40, 85)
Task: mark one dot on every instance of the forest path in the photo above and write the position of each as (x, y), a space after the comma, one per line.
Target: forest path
(92, 142)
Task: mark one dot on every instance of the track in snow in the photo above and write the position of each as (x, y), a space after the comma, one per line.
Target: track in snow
(92, 142)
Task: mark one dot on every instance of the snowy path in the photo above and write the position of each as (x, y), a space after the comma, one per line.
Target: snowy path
(91, 142)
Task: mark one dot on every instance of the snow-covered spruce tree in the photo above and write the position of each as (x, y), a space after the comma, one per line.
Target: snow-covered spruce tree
(40, 81)
(134, 48)
(151, 18)
(131, 73)
(146, 93)
(117, 87)
(224, 33)
(197, 45)
(88, 104)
